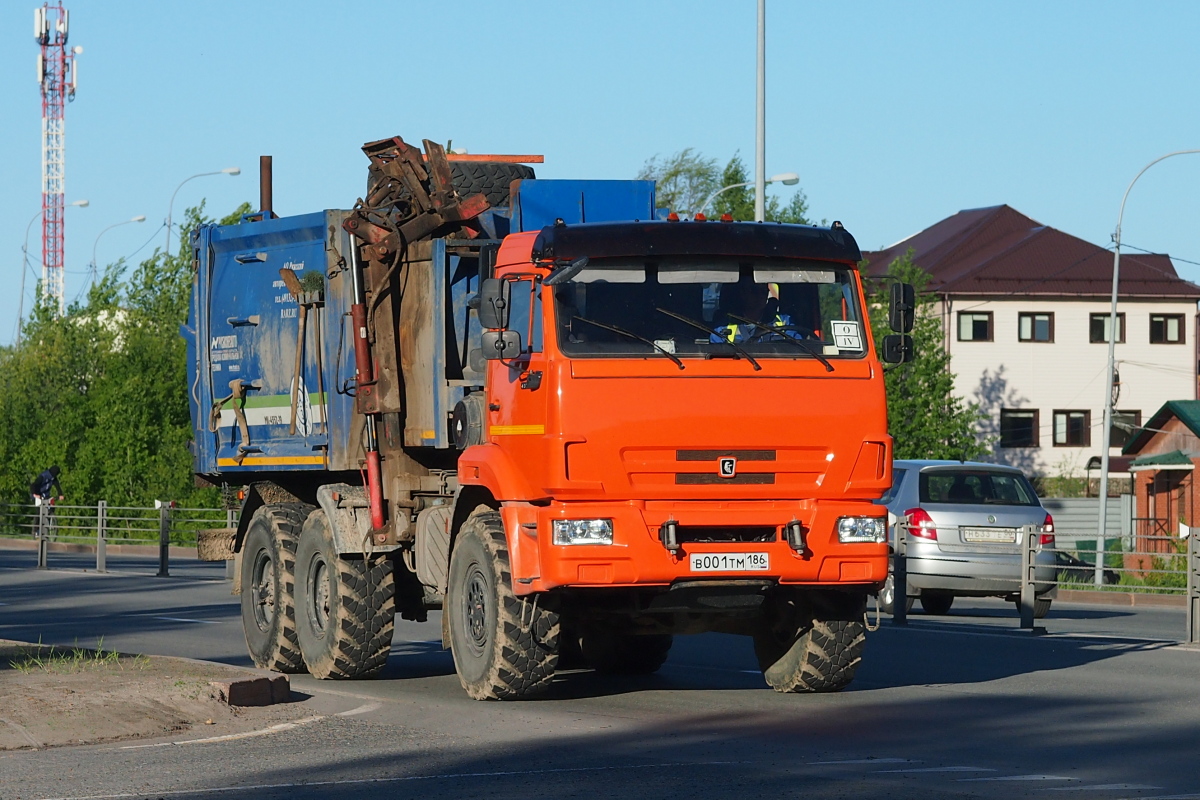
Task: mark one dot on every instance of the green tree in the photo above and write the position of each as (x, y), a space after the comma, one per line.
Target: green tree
(103, 390)
(925, 417)
(686, 179)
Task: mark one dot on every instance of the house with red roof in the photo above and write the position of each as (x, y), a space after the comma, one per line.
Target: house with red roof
(1025, 310)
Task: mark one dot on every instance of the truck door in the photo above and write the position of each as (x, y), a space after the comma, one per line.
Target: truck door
(516, 386)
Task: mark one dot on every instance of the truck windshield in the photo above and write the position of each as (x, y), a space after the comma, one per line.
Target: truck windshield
(750, 307)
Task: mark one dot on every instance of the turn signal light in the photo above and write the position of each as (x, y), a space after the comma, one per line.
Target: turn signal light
(920, 524)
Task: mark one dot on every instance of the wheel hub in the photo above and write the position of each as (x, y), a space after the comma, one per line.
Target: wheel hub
(263, 591)
(475, 609)
(320, 592)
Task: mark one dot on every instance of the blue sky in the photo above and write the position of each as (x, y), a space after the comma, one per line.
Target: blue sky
(896, 115)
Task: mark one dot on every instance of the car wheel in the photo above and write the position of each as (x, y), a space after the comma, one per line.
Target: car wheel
(887, 598)
(1041, 607)
(936, 602)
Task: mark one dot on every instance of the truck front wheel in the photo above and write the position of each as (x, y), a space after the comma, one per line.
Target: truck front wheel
(811, 643)
(268, 583)
(345, 605)
(503, 648)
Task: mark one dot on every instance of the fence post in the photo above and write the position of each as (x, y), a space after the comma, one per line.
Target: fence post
(230, 522)
(102, 536)
(42, 525)
(1193, 587)
(1099, 576)
(900, 574)
(164, 538)
(1029, 544)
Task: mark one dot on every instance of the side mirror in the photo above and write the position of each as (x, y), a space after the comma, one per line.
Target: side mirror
(902, 309)
(897, 348)
(493, 304)
(501, 345)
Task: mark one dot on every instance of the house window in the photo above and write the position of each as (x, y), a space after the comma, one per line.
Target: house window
(1124, 423)
(1072, 428)
(975, 326)
(1018, 427)
(1166, 329)
(1035, 327)
(1098, 327)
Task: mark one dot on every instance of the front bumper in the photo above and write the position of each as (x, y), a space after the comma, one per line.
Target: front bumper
(637, 557)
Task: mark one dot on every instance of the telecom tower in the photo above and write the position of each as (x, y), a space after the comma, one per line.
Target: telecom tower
(57, 76)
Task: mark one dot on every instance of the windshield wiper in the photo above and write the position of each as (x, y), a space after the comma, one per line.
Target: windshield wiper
(712, 332)
(782, 331)
(564, 271)
(631, 335)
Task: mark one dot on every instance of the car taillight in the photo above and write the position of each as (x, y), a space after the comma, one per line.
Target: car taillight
(1047, 537)
(921, 524)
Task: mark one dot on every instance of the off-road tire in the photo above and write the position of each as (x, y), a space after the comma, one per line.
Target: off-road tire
(937, 603)
(492, 179)
(616, 653)
(887, 598)
(345, 606)
(269, 585)
(503, 648)
(811, 646)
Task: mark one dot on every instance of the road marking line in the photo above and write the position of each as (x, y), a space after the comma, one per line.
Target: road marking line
(1103, 787)
(933, 769)
(1016, 633)
(283, 726)
(185, 619)
(366, 708)
(867, 761)
(401, 779)
(1017, 778)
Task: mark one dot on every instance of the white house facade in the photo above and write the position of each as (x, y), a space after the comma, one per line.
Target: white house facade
(1025, 310)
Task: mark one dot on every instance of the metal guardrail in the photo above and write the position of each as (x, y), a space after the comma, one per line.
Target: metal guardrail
(1165, 565)
(101, 525)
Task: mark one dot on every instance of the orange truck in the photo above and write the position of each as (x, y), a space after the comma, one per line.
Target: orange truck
(576, 426)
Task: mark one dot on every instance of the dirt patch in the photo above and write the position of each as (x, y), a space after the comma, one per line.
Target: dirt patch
(69, 696)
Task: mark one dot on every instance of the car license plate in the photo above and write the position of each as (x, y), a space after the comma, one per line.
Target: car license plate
(729, 562)
(1007, 535)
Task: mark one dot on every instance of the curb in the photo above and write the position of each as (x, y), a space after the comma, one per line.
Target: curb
(260, 687)
(1121, 598)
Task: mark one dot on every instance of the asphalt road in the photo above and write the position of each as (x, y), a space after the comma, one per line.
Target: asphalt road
(1101, 706)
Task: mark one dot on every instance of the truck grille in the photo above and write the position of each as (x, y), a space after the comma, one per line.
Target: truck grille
(725, 533)
(703, 478)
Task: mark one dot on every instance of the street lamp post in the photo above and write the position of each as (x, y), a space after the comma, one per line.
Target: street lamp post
(786, 178)
(1112, 365)
(171, 205)
(760, 122)
(25, 264)
(138, 218)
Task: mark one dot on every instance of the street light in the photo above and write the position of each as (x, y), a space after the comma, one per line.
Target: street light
(786, 178)
(171, 206)
(25, 264)
(138, 218)
(1112, 366)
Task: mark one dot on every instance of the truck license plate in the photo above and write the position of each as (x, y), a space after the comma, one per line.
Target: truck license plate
(729, 562)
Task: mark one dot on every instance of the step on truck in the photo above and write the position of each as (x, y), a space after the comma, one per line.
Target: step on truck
(575, 425)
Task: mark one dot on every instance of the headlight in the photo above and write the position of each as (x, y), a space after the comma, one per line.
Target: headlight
(862, 529)
(583, 531)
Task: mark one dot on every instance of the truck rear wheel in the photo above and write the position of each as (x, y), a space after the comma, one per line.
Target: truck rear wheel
(503, 648)
(811, 646)
(345, 606)
(268, 584)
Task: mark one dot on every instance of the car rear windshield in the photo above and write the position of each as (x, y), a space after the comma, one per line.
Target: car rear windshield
(977, 487)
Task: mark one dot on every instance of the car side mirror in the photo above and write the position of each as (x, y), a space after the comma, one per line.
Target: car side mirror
(493, 304)
(501, 345)
(902, 309)
(898, 348)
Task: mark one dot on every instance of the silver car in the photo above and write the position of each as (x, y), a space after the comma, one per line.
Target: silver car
(964, 533)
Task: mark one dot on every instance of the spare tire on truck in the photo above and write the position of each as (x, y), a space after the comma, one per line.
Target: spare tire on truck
(492, 179)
